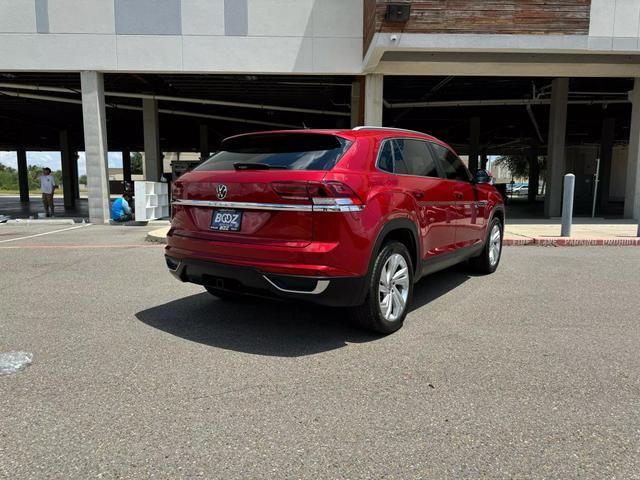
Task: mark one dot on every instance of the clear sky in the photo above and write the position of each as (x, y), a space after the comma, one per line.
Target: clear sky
(52, 160)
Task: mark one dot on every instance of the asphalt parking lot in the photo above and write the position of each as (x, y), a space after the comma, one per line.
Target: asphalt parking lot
(531, 372)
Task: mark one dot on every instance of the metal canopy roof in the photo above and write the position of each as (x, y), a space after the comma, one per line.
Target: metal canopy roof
(36, 123)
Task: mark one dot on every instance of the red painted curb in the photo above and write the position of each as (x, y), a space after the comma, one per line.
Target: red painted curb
(517, 242)
(573, 242)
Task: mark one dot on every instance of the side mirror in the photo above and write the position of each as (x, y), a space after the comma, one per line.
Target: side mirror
(481, 176)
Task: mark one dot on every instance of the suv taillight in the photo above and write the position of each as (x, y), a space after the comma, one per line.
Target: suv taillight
(329, 195)
(176, 191)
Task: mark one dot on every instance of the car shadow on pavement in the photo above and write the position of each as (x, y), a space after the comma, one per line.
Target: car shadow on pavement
(440, 283)
(255, 325)
(273, 328)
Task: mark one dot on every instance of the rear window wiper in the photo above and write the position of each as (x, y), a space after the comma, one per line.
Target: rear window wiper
(258, 166)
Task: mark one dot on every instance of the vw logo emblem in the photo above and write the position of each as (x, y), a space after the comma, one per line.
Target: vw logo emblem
(221, 191)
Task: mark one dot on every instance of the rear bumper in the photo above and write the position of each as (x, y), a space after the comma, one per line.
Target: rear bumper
(330, 291)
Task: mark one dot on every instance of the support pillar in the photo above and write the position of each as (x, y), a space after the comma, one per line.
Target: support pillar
(556, 160)
(632, 191)
(205, 150)
(373, 100)
(126, 165)
(76, 178)
(357, 102)
(95, 141)
(606, 155)
(484, 159)
(66, 157)
(153, 167)
(534, 174)
(23, 175)
(474, 144)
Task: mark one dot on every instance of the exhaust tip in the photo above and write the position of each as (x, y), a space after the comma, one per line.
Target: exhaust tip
(172, 263)
(289, 284)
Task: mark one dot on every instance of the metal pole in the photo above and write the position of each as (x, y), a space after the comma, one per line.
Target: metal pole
(567, 204)
(595, 188)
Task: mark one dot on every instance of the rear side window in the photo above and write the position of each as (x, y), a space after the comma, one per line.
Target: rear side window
(291, 151)
(409, 157)
(451, 164)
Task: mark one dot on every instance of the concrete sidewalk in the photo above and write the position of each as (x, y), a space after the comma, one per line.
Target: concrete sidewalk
(584, 232)
(538, 232)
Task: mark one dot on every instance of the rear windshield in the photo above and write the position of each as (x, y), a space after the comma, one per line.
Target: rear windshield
(308, 151)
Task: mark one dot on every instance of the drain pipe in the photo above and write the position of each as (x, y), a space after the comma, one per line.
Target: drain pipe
(535, 123)
(120, 106)
(497, 103)
(198, 101)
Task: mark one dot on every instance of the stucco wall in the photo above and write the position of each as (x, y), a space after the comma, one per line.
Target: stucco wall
(261, 36)
(615, 25)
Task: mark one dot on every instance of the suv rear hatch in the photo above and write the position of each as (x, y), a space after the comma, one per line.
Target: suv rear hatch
(258, 188)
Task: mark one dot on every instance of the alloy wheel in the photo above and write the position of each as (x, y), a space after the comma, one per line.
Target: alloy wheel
(495, 245)
(393, 288)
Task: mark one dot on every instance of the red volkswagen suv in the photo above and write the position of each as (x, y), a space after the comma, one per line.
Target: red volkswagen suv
(349, 218)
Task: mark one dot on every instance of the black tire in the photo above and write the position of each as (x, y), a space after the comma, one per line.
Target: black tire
(482, 263)
(224, 294)
(369, 315)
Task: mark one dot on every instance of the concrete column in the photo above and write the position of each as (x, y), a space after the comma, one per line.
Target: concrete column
(556, 161)
(357, 102)
(76, 178)
(152, 155)
(484, 159)
(606, 155)
(205, 150)
(373, 100)
(67, 158)
(95, 145)
(126, 165)
(474, 143)
(534, 174)
(632, 191)
(23, 174)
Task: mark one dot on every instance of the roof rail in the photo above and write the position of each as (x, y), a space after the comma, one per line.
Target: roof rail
(364, 127)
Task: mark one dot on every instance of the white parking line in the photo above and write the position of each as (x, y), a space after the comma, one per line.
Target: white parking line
(45, 233)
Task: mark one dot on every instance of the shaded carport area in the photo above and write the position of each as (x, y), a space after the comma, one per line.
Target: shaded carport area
(123, 113)
(485, 117)
(578, 121)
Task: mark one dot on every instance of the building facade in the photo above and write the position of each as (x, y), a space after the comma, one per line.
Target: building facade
(460, 67)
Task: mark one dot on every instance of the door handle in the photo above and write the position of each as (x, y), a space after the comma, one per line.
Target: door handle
(418, 195)
(458, 195)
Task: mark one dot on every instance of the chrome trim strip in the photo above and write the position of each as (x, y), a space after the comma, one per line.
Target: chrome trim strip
(288, 207)
(285, 207)
(338, 208)
(321, 286)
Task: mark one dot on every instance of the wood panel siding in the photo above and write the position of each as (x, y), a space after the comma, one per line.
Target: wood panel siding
(523, 17)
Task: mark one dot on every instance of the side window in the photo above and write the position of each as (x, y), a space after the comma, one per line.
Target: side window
(452, 166)
(385, 160)
(399, 163)
(413, 157)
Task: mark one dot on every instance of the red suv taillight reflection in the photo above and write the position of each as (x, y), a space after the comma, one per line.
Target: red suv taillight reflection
(176, 194)
(330, 194)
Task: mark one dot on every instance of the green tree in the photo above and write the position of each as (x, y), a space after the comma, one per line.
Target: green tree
(8, 178)
(518, 165)
(136, 163)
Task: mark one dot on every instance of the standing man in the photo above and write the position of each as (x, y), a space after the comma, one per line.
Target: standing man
(48, 185)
